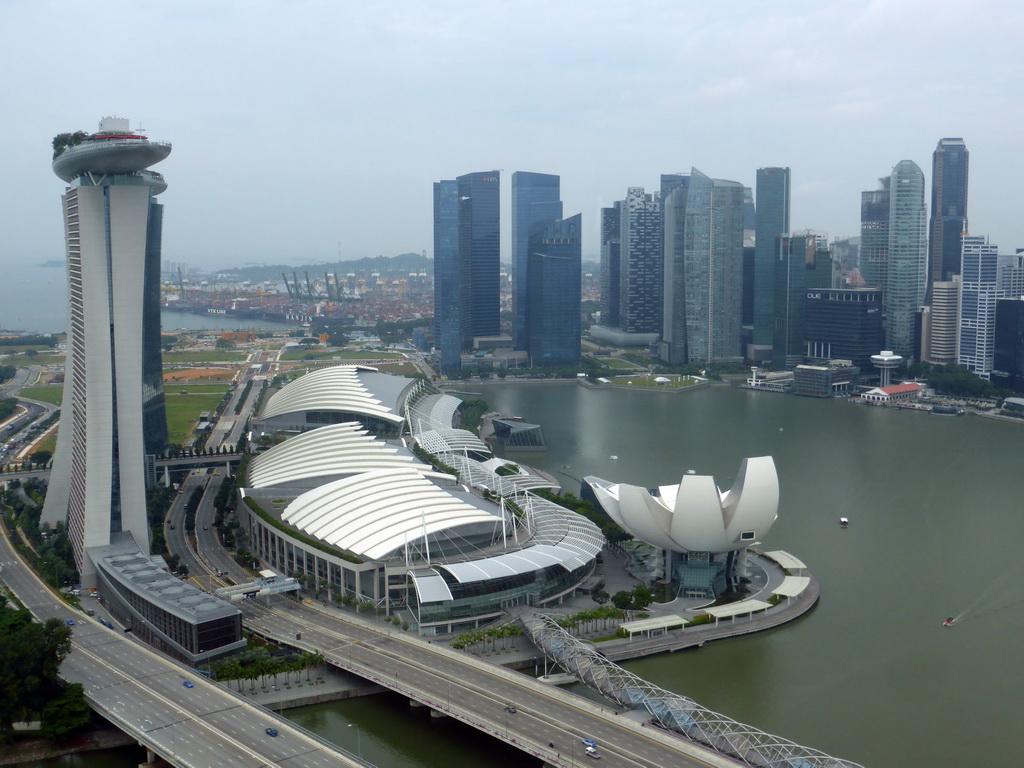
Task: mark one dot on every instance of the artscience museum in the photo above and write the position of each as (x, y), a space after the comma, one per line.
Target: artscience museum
(703, 533)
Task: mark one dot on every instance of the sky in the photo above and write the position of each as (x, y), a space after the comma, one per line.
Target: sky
(308, 130)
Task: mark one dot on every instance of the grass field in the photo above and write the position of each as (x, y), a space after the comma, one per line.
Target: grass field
(43, 358)
(184, 410)
(205, 356)
(52, 394)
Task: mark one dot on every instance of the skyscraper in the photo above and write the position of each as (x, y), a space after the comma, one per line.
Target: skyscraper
(979, 292)
(874, 234)
(553, 292)
(703, 271)
(480, 253)
(906, 273)
(611, 245)
(112, 226)
(447, 280)
(640, 271)
(466, 262)
(949, 209)
(535, 199)
(771, 217)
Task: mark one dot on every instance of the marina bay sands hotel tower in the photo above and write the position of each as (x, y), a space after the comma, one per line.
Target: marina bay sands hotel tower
(112, 416)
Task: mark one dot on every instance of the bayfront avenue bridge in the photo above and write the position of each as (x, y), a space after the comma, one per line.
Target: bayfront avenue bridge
(205, 723)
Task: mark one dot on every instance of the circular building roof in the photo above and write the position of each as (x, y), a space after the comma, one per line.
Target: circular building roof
(375, 513)
(346, 388)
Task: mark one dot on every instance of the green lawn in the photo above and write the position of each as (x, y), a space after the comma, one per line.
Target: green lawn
(52, 394)
(43, 358)
(205, 356)
(184, 410)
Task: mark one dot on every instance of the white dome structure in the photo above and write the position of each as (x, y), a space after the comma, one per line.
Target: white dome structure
(698, 526)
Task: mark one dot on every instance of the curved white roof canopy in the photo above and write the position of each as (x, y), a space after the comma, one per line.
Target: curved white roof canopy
(433, 412)
(694, 516)
(451, 441)
(375, 513)
(333, 450)
(340, 388)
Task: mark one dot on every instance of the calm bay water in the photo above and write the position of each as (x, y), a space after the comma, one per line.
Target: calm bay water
(870, 674)
(34, 298)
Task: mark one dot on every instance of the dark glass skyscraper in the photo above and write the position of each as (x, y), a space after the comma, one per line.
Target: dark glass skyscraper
(611, 250)
(949, 209)
(466, 262)
(480, 254)
(553, 292)
(535, 199)
(771, 218)
(447, 281)
(640, 274)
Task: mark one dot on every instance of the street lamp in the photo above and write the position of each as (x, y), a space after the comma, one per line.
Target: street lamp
(359, 746)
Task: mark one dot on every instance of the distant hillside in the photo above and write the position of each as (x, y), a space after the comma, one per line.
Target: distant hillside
(394, 266)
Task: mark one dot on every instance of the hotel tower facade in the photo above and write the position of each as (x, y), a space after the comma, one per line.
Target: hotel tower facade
(112, 415)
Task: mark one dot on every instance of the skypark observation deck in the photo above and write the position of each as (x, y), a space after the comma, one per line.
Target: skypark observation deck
(110, 154)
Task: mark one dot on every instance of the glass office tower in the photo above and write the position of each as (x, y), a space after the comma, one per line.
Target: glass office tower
(535, 199)
(447, 286)
(949, 209)
(553, 293)
(906, 271)
(771, 219)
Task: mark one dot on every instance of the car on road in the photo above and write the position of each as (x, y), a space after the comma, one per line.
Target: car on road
(589, 743)
(71, 622)
(591, 752)
(272, 732)
(188, 684)
(510, 709)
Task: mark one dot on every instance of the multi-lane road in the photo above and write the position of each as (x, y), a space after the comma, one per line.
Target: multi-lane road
(542, 720)
(145, 694)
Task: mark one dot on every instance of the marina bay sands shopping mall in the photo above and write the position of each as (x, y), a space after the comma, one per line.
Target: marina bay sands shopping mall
(341, 491)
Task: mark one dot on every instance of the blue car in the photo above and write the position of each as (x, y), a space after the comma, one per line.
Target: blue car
(271, 731)
(188, 684)
(71, 622)
(589, 743)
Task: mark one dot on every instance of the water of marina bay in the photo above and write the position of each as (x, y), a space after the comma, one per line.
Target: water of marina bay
(870, 675)
(34, 298)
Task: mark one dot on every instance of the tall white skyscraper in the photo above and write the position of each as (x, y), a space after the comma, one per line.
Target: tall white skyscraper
(979, 290)
(906, 276)
(112, 227)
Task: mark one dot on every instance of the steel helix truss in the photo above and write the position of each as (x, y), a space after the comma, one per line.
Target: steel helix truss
(671, 711)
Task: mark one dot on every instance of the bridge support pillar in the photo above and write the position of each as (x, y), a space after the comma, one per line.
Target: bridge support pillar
(435, 715)
(415, 704)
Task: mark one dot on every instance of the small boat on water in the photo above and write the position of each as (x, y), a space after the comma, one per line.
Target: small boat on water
(844, 522)
(949, 622)
(613, 457)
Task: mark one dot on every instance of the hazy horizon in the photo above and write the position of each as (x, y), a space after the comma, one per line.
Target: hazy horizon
(308, 131)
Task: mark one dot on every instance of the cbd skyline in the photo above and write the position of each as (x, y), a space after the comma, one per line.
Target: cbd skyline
(604, 113)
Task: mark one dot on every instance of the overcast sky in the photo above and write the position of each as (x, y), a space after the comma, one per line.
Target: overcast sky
(301, 124)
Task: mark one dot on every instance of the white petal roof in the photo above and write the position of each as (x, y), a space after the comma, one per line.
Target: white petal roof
(336, 449)
(374, 513)
(340, 388)
(695, 516)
